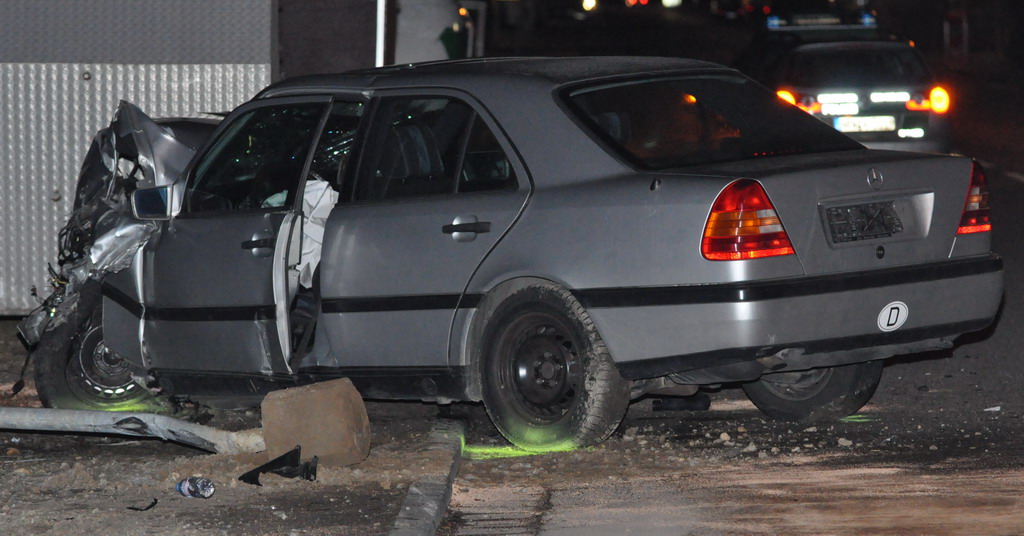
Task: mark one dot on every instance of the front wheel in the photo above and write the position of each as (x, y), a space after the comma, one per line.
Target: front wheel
(75, 370)
(816, 394)
(549, 382)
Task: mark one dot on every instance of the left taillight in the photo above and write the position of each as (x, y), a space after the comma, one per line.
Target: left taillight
(807, 104)
(743, 224)
(976, 215)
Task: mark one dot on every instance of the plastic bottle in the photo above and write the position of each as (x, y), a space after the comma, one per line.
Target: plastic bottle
(196, 486)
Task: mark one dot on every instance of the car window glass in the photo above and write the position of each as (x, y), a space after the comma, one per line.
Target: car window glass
(257, 162)
(816, 67)
(331, 157)
(415, 149)
(485, 165)
(666, 123)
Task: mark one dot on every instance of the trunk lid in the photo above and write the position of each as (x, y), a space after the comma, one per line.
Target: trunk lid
(863, 210)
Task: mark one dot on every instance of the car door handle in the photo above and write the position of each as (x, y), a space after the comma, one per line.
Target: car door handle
(258, 243)
(472, 227)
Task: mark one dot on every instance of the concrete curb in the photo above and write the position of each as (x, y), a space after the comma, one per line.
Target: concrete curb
(427, 499)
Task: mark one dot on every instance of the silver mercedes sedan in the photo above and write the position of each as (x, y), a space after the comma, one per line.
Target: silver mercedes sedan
(553, 237)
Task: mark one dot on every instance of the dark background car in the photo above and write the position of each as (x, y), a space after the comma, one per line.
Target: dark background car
(875, 88)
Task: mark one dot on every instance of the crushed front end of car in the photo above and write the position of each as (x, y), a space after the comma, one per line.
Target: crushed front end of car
(101, 236)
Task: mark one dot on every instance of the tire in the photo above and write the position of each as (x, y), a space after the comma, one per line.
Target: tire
(816, 394)
(75, 370)
(548, 380)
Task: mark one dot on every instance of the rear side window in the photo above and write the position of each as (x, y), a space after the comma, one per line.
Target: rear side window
(666, 123)
(430, 146)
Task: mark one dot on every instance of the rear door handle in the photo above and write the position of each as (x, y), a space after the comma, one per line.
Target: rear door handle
(465, 228)
(476, 227)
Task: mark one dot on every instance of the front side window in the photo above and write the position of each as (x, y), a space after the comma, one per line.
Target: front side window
(430, 146)
(257, 162)
(666, 123)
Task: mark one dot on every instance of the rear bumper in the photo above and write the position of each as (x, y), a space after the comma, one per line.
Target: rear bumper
(652, 332)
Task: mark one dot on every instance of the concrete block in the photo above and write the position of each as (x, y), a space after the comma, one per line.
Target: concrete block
(326, 419)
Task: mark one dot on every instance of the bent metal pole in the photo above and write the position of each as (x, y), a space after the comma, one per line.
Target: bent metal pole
(132, 424)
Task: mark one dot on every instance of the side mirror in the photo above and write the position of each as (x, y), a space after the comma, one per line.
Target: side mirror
(152, 203)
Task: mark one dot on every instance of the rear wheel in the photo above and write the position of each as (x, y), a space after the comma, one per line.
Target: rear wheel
(548, 380)
(76, 370)
(816, 394)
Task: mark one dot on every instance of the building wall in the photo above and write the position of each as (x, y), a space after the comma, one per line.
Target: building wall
(324, 36)
(64, 65)
(420, 25)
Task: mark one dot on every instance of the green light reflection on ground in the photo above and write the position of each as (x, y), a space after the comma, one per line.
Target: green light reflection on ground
(484, 452)
(499, 452)
(857, 418)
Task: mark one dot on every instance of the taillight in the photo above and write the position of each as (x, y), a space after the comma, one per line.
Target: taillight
(975, 218)
(807, 104)
(938, 101)
(744, 225)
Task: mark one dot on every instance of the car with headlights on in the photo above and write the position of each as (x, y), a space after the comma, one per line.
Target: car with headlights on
(873, 87)
(552, 237)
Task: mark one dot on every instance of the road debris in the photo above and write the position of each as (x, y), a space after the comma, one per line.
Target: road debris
(144, 508)
(288, 465)
(340, 433)
(131, 424)
(196, 487)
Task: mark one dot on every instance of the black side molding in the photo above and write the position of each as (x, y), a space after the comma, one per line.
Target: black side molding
(785, 288)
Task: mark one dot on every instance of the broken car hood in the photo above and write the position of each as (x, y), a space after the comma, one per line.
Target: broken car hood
(102, 236)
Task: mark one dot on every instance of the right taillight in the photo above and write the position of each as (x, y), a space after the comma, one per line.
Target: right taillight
(743, 224)
(938, 101)
(975, 218)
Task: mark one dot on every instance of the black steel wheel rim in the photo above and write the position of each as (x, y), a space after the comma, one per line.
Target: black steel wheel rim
(540, 364)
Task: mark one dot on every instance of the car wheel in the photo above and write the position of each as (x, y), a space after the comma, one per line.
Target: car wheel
(816, 394)
(77, 371)
(549, 382)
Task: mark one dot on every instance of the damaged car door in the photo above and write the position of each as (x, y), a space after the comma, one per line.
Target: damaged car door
(218, 279)
(434, 191)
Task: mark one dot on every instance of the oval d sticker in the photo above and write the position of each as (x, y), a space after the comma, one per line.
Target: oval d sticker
(893, 316)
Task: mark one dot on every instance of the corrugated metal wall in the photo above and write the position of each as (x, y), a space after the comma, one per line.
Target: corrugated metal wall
(63, 67)
(49, 112)
(138, 31)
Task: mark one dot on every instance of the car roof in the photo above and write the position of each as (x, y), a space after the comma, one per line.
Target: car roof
(797, 35)
(547, 71)
(853, 45)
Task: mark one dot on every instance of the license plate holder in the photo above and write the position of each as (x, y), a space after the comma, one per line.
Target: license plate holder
(865, 221)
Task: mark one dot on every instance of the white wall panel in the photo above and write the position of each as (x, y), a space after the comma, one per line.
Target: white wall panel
(49, 113)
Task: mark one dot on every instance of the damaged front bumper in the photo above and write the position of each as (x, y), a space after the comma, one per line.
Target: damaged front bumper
(101, 236)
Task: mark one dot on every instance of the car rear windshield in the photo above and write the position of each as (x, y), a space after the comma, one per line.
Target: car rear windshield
(855, 67)
(674, 122)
